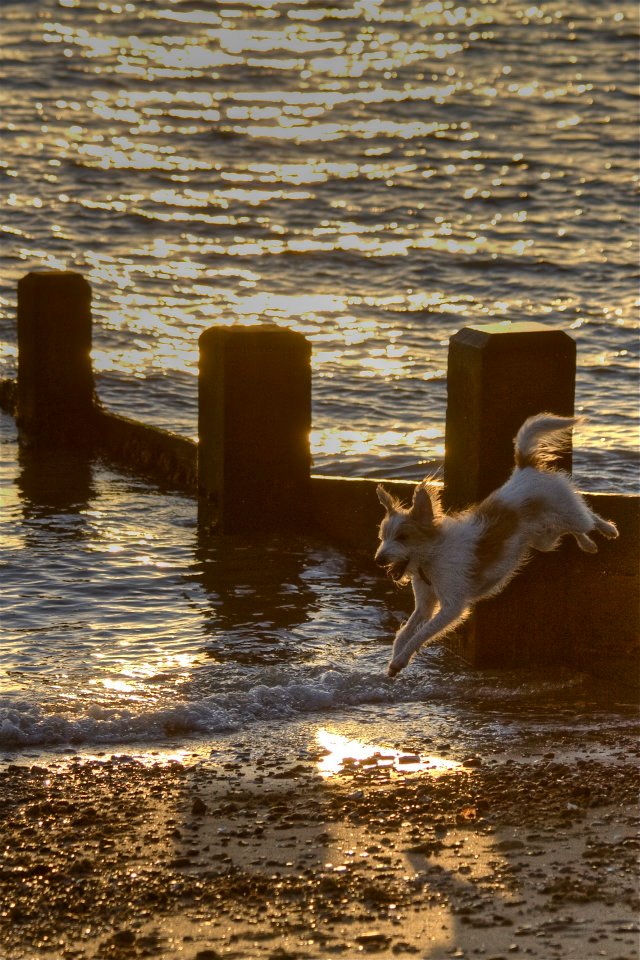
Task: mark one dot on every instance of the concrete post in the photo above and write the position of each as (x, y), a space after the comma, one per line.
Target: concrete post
(498, 375)
(254, 422)
(55, 378)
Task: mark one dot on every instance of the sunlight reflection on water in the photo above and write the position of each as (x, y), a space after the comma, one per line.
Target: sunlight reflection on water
(375, 176)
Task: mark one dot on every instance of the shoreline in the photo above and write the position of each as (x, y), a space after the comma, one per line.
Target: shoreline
(270, 856)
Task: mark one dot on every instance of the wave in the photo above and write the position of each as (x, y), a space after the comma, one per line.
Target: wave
(24, 723)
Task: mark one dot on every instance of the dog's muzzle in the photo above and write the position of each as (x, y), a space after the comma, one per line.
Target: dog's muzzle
(395, 570)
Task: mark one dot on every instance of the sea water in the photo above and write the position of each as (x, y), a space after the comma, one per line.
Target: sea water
(375, 175)
(127, 629)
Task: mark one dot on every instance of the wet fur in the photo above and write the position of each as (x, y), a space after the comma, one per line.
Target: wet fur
(454, 560)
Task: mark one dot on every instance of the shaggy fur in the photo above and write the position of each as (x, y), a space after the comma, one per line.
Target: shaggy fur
(454, 560)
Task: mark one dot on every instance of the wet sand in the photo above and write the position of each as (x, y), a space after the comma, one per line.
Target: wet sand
(277, 857)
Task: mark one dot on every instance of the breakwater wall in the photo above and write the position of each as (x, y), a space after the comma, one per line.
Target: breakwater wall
(251, 468)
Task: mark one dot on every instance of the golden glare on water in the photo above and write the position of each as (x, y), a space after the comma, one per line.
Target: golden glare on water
(338, 441)
(137, 677)
(339, 753)
(324, 167)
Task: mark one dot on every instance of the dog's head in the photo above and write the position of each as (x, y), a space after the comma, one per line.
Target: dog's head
(404, 531)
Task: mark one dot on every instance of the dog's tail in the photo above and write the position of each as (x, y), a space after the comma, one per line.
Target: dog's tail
(541, 438)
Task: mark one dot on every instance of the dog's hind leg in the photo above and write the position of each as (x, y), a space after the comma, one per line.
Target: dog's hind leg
(605, 527)
(445, 619)
(585, 543)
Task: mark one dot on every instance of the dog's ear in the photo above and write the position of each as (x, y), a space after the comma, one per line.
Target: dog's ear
(421, 506)
(385, 499)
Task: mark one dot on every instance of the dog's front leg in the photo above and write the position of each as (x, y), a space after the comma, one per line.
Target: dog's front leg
(425, 602)
(445, 619)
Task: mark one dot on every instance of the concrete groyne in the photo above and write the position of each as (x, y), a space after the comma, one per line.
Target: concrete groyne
(251, 468)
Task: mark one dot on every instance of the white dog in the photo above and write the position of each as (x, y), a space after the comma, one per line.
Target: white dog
(454, 560)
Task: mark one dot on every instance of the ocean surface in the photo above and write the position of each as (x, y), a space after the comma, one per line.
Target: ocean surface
(375, 175)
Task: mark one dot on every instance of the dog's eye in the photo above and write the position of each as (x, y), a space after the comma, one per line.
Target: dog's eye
(402, 537)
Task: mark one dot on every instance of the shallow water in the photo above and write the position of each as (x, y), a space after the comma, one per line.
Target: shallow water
(374, 175)
(124, 630)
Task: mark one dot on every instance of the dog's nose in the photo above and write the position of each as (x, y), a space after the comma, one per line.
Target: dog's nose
(380, 559)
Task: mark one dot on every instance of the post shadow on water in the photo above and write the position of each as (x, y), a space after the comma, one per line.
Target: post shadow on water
(53, 480)
(265, 591)
(258, 595)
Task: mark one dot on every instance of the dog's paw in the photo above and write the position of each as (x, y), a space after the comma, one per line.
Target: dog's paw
(394, 668)
(586, 543)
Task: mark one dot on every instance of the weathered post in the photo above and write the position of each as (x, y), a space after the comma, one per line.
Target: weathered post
(55, 378)
(254, 422)
(498, 375)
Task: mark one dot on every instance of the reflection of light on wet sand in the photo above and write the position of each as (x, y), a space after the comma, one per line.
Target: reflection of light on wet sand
(340, 753)
(157, 756)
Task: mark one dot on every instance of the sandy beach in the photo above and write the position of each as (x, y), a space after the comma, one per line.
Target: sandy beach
(383, 853)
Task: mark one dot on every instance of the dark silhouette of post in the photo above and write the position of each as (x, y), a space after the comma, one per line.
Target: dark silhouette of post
(254, 422)
(498, 375)
(55, 377)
